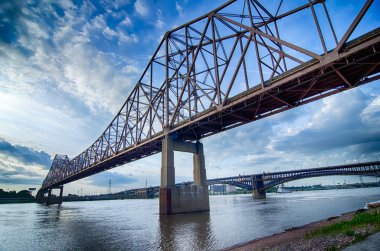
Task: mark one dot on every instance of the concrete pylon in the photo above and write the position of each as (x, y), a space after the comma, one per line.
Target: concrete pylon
(185, 198)
(48, 198)
(60, 195)
(199, 166)
(257, 185)
(167, 175)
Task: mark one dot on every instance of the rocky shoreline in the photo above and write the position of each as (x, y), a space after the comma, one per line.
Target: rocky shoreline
(305, 237)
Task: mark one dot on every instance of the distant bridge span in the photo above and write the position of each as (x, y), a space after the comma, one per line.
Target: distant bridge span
(232, 66)
(264, 181)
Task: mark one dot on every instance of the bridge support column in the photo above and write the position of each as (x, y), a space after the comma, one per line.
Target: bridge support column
(167, 175)
(48, 198)
(60, 195)
(200, 179)
(257, 187)
(188, 198)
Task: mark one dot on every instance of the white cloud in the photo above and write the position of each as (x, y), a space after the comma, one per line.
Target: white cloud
(124, 38)
(371, 114)
(141, 8)
(22, 117)
(92, 76)
(99, 23)
(127, 22)
(179, 8)
(131, 69)
(109, 33)
(159, 23)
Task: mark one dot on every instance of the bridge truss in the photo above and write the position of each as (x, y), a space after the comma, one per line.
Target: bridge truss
(229, 67)
(272, 179)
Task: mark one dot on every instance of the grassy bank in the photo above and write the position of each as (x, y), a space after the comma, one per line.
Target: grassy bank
(361, 225)
(334, 233)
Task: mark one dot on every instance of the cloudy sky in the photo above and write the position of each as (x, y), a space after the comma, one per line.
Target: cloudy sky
(66, 67)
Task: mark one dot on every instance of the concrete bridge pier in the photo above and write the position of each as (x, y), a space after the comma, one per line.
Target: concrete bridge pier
(186, 198)
(56, 200)
(48, 197)
(60, 195)
(257, 187)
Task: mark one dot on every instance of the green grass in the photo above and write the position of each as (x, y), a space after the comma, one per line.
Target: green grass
(348, 227)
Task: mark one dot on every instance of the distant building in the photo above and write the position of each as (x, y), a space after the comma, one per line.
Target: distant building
(230, 189)
(218, 189)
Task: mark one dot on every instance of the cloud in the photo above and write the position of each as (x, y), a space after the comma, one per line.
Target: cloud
(131, 69)
(124, 38)
(69, 58)
(127, 22)
(141, 8)
(179, 8)
(159, 24)
(109, 33)
(90, 76)
(336, 126)
(22, 164)
(371, 114)
(11, 173)
(26, 155)
(20, 181)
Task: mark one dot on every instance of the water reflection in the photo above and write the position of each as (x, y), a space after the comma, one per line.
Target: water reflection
(185, 232)
(48, 214)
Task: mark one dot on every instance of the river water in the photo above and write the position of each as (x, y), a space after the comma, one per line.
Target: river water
(136, 224)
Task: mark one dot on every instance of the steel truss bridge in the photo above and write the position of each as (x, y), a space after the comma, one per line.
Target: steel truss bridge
(231, 66)
(250, 182)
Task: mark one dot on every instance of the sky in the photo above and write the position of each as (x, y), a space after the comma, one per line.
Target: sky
(66, 68)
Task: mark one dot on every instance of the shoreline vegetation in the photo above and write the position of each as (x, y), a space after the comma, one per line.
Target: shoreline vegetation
(23, 196)
(334, 233)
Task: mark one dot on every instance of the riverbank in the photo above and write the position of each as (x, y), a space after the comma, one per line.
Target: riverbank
(17, 200)
(333, 233)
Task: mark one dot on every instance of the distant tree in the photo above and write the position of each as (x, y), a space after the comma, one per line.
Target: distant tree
(24, 194)
(3, 193)
(11, 194)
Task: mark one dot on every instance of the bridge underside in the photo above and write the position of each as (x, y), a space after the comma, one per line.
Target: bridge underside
(309, 82)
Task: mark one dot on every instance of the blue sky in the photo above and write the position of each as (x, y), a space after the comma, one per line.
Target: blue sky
(68, 66)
